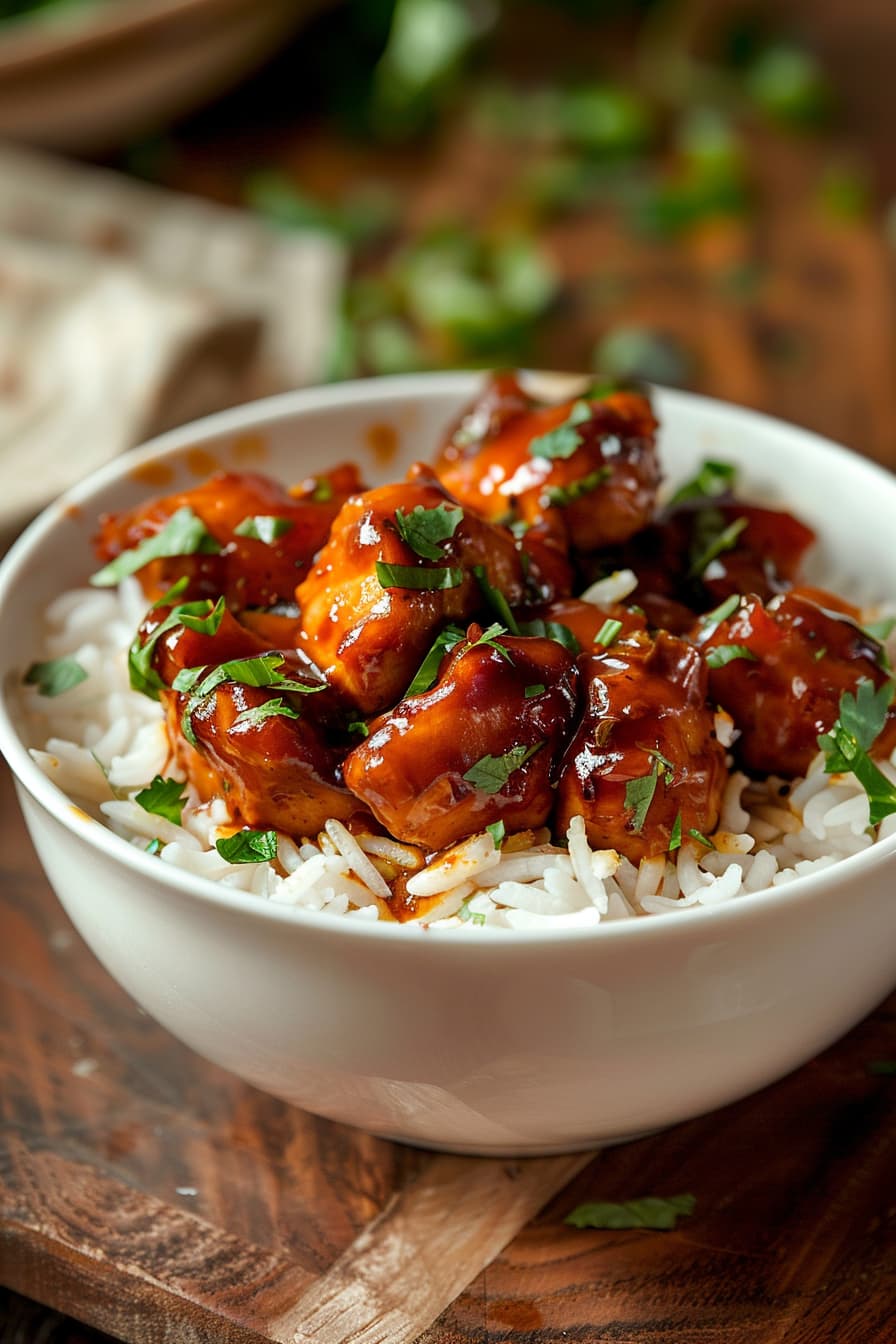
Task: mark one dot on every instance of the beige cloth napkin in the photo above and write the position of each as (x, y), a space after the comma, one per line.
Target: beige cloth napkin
(125, 309)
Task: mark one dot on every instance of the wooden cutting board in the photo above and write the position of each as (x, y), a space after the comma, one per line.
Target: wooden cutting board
(157, 1197)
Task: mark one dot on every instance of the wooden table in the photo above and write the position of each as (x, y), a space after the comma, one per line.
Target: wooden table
(153, 1196)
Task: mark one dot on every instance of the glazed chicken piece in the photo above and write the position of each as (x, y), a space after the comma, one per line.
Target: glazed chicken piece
(788, 663)
(400, 564)
(592, 461)
(480, 746)
(258, 539)
(263, 747)
(645, 762)
(701, 552)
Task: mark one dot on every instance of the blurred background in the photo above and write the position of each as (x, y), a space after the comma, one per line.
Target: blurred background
(203, 201)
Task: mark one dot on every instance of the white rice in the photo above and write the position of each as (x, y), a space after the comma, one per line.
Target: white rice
(104, 742)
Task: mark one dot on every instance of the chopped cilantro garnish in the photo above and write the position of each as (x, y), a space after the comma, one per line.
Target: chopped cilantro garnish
(248, 847)
(880, 630)
(202, 616)
(497, 832)
(266, 527)
(258, 714)
(490, 638)
(421, 579)
(183, 534)
(427, 530)
(720, 613)
(537, 688)
(711, 543)
(819, 654)
(608, 633)
(358, 726)
(496, 600)
(729, 653)
(712, 479)
(700, 838)
(173, 593)
(323, 491)
(650, 1211)
(675, 837)
(860, 721)
(563, 441)
(154, 846)
(639, 795)
(559, 496)
(55, 676)
(428, 669)
(491, 773)
(555, 630)
(260, 670)
(660, 760)
(164, 798)
(466, 915)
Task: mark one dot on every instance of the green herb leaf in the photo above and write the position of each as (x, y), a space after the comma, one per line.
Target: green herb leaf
(720, 613)
(266, 527)
(880, 630)
(639, 795)
(466, 915)
(729, 653)
(700, 838)
(248, 847)
(259, 670)
(164, 798)
(563, 441)
(55, 676)
(195, 615)
(712, 479)
(491, 773)
(429, 668)
(558, 496)
(173, 593)
(427, 530)
(420, 579)
(861, 719)
(660, 760)
(608, 633)
(490, 638)
(649, 1211)
(675, 837)
(358, 726)
(323, 491)
(551, 630)
(202, 625)
(537, 688)
(497, 832)
(183, 534)
(496, 600)
(258, 714)
(716, 545)
(154, 846)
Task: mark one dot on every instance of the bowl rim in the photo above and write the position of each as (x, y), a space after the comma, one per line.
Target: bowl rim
(800, 891)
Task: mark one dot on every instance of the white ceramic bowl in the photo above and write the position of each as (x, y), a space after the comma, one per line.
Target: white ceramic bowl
(495, 1041)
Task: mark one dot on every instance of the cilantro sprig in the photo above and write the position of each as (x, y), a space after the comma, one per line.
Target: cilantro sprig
(859, 723)
(248, 846)
(183, 534)
(55, 676)
(563, 441)
(711, 541)
(712, 479)
(266, 527)
(263, 669)
(491, 773)
(420, 579)
(203, 617)
(163, 798)
(427, 531)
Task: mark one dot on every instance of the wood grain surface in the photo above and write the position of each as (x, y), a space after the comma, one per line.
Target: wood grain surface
(152, 1196)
